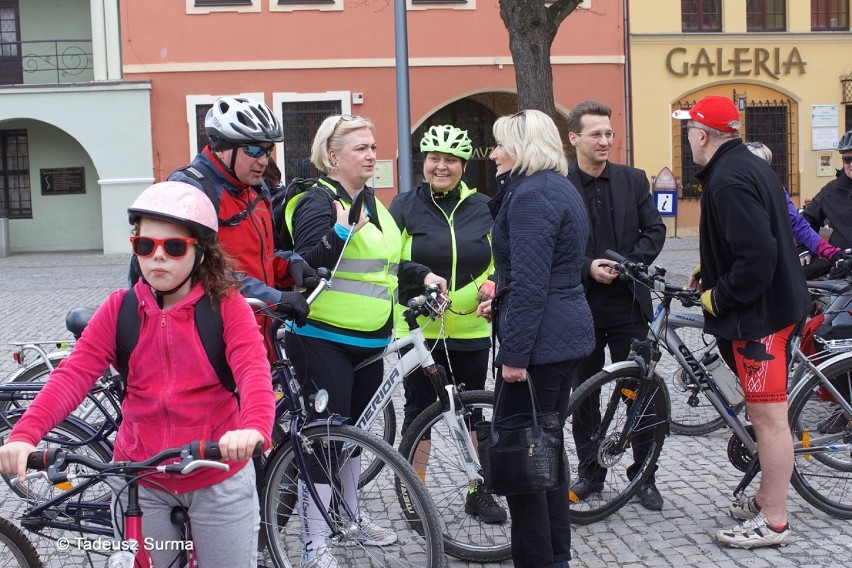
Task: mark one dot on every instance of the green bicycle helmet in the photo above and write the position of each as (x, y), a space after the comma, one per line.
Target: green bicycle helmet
(447, 139)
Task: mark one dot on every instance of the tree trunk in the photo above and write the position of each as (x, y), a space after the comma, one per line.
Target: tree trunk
(532, 27)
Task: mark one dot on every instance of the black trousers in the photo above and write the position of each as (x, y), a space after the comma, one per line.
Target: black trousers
(322, 364)
(541, 522)
(587, 416)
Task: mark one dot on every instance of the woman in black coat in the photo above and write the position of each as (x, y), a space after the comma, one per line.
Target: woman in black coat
(543, 322)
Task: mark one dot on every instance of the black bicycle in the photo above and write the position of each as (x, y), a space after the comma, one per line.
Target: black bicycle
(628, 404)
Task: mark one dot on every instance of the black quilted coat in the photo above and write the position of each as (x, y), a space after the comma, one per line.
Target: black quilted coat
(539, 238)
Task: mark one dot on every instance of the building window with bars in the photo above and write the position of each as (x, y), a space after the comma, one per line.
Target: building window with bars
(830, 15)
(200, 134)
(766, 15)
(701, 15)
(300, 120)
(771, 122)
(15, 192)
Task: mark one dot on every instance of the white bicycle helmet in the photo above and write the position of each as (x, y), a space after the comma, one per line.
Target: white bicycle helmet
(447, 139)
(177, 202)
(236, 121)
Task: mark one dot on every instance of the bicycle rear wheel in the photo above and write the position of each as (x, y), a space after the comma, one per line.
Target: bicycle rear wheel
(15, 548)
(823, 477)
(67, 434)
(691, 412)
(414, 522)
(465, 537)
(599, 411)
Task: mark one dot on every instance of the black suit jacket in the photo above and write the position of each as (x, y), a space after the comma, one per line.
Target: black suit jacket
(639, 229)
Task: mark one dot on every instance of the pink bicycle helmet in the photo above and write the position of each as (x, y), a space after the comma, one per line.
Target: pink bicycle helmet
(177, 202)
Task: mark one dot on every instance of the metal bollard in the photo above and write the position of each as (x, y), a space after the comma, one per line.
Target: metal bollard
(4, 237)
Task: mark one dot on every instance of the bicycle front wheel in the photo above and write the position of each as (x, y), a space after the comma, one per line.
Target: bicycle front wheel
(822, 422)
(598, 416)
(410, 529)
(15, 548)
(429, 441)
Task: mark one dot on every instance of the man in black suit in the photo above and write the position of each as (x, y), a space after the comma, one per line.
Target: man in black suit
(624, 219)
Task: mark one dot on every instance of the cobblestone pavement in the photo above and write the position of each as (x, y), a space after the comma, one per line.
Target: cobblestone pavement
(695, 478)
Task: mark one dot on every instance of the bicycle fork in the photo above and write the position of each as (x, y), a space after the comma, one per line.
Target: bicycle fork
(447, 394)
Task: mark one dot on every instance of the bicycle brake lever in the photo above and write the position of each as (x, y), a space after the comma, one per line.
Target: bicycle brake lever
(193, 465)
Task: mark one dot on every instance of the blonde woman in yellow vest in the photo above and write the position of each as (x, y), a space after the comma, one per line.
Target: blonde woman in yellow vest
(354, 320)
(447, 226)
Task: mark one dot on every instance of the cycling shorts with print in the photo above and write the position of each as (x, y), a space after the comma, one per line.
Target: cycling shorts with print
(761, 365)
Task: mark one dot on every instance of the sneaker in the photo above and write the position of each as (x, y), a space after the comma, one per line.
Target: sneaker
(323, 559)
(834, 424)
(754, 533)
(374, 535)
(744, 508)
(481, 504)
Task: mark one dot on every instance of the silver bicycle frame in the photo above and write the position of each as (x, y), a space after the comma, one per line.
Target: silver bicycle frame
(419, 356)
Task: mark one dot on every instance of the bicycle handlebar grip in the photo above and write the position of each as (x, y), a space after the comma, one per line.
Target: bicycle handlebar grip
(417, 302)
(42, 459)
(612, 255)
(211, 451)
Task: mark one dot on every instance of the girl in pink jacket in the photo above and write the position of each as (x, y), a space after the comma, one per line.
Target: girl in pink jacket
(173, 393)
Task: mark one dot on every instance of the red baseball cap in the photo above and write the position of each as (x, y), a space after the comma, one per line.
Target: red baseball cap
(713, 111)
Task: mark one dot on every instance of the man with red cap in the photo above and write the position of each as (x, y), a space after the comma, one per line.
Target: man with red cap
(754, 294)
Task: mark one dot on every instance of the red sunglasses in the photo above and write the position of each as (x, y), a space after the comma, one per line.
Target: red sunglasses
(174, 247)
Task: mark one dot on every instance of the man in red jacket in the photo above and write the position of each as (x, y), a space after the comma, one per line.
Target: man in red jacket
(242, 133)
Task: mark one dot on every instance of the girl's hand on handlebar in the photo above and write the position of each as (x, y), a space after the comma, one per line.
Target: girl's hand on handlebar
(238, 445)
(433, 278)
(13, 459)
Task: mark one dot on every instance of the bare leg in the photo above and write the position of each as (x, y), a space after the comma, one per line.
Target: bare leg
(775, 447)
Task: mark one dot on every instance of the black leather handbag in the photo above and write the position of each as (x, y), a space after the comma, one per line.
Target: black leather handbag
(521, 453)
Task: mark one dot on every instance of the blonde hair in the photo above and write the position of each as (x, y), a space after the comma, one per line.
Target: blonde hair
(760, 150)
(330, 136)
(532, 139)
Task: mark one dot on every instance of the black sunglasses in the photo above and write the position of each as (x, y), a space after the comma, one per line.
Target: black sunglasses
(174, 247)
(847, 159)
(255, 151)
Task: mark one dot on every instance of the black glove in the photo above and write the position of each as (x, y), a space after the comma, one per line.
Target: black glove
(838, 272)
(293, 305)
(302, 273)
(837, 256)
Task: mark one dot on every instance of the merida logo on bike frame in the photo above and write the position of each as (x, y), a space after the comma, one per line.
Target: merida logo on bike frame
(380, 396)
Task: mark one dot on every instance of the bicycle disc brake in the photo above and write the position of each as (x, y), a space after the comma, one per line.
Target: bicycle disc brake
(608, 452)
(737, 452)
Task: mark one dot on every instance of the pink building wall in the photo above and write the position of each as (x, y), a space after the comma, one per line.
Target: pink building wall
(229, 52)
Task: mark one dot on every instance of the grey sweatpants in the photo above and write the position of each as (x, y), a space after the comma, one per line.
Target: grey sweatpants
(225, 522)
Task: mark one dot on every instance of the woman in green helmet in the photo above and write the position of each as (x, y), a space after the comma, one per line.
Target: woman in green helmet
(446, 225)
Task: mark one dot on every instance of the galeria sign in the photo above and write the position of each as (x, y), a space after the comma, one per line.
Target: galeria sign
(734, 61)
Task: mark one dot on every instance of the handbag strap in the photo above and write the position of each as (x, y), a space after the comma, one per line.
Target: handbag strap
(498, 402)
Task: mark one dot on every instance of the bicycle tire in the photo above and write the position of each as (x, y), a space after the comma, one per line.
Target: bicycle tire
(465, 536)
(76, 433)
(36, 373)
(823, 478)
(598, 392)
(415, 522)
(691, 413)
(14, 545)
